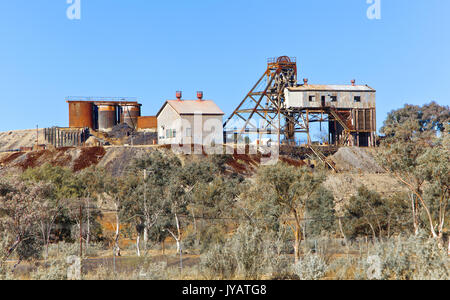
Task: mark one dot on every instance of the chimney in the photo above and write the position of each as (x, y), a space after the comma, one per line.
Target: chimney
(179, 94)
(305, 81)
(200, 95)
(353, 82)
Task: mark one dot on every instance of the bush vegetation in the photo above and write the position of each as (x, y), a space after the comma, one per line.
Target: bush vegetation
(281, 223)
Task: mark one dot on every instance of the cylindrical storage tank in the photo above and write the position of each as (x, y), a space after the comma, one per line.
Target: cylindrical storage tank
(130, 114)
(80, 114)
(106, 117)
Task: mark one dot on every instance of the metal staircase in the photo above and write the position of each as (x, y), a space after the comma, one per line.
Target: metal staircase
(348, 128)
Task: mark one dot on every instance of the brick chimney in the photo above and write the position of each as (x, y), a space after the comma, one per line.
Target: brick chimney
(179, 94)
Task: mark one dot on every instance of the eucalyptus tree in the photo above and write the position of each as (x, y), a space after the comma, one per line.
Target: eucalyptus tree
(293, 188)
(415, 151)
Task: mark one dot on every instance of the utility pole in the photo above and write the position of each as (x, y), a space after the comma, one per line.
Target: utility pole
(37, 137)
(145, 210)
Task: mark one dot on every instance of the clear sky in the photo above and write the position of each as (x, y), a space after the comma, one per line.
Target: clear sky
(149, 49)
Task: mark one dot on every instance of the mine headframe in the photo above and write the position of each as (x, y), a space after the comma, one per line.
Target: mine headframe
(263, 112)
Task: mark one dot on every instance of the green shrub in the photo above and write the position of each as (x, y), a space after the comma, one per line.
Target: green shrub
(219, 262)
(413, 258)
(53, 270)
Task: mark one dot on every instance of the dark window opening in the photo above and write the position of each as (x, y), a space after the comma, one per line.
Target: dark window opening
(333, 98)
(357, 98)
(312, 98)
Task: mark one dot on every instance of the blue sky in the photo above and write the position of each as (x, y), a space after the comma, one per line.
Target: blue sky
(149, 49)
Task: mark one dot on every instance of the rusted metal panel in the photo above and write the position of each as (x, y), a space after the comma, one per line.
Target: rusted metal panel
(26, 149)
(150, 122)
(80, 114)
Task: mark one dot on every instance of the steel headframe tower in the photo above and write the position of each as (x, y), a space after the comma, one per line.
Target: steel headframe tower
(265, 104)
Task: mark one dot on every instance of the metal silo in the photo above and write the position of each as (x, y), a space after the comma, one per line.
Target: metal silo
(130, 114)
(106, 116)
(80, 114)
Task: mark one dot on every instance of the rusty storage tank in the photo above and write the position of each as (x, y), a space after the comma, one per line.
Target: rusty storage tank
(80, 114)
(107, 116)
(130, 114)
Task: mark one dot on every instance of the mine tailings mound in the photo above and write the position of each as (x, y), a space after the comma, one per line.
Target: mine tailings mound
(355, 159)
(74, 158)
(117, 159)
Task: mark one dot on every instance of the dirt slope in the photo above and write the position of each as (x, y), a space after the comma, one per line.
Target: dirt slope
(12, 140)
(356, 160)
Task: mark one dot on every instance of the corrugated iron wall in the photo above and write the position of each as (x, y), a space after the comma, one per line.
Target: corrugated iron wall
(147, 122)
(66, 137)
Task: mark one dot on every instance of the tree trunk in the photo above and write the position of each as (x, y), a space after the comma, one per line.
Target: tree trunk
(449, 247)
(116, 239)
(297, 242)
(414, 215)
(12, 248)
(88, 233)
(138, 239)
(145, 236)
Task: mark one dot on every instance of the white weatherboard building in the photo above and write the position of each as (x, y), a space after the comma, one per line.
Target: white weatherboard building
(190, 122)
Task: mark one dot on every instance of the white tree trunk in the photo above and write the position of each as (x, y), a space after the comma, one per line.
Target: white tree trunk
(178, 245)
(137, 245)
(117, 250)
(145, 234)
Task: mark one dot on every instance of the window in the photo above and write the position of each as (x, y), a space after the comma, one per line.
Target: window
(357, 98)
(174, 133)
(168, 133)
(312, 98)
(333, 98)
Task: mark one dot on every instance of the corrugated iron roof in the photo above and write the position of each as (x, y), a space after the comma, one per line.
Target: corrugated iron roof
(189, 107)
(332, 87)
